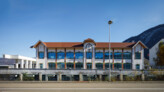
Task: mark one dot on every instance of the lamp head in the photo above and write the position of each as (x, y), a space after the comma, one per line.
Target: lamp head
(109, 22)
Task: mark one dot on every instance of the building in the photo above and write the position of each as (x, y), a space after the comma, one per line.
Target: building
(18, 61)
(89, 55)
(6, 63)
(153, 53)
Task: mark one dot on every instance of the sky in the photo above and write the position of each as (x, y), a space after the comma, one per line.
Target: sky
(24, 22)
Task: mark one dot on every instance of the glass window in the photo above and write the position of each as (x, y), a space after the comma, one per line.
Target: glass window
(70, 55)
(107, 66)
(51, 55)
(137, 55)
(41, 66)
(127, 65)
(51, 65)
(89, 55)
(60, 66)
(60, 55)
(117, 66)
(137, 66)
(79, 55)
(79, 65)
(70, 65)
(127, 55)
(117, 55)
(107, 55)
(41, 55)
(99, 65)
(89, 65)
(98, 55)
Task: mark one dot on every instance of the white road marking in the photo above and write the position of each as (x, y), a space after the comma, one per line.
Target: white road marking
(2, 89)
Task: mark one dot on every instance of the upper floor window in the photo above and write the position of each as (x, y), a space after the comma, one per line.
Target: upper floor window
(137, 55)
(107, 55)
(41, 55)
(60, 55)
(89, 55)
(79, 55)
(117, 55)
(98, 55)
(127, 55)
(51, 55)
(70, 55)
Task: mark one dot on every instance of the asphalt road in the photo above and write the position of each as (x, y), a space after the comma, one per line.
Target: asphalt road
(82, 87)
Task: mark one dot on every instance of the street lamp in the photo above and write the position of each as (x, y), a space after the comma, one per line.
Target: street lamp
(109, 22)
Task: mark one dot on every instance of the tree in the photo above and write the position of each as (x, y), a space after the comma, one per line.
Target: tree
(160, 55)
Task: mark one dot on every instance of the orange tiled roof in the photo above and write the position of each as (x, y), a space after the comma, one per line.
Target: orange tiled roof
(80, 44)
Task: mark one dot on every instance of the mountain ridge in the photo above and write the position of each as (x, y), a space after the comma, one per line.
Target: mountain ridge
(149, 37)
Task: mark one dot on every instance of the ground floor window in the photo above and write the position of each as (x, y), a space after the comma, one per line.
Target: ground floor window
(79, 65)
(107, 66)
(89, 65)
(41, 66)
(117, 66)
(70, 65)
(127, 65)
(51, 65)
(99, 65)
(60, 65)
(138, 66)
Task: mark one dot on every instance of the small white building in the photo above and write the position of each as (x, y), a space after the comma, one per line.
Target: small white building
(153, 53)
(21, 61)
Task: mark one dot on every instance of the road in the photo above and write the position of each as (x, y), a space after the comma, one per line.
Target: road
(82, 87)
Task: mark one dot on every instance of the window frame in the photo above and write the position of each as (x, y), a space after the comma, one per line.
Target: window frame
(88, 57)
(98, 65)
(137, 66)
(62, 65)
(117, 56)
(125, 56)
(51, 58)
(101, 57)
(72, 57)
(77, 57)
(63, 56)
(51, 65)
(72, 65)
(40, 56)
(79, 67)
(139, 53)
(111, 55)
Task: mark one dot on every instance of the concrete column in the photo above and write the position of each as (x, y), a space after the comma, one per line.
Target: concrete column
(59, 77)
(84, 64)
(121, 77)
(46, 77)
(16, 65)
(80, 77)
(22, 63)
(30, 64)
(100, 77)
(26, 65)
(143, 76)
(93, 58)
(21, 77)
(40, 76)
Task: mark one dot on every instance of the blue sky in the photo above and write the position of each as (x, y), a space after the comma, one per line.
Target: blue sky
(24, 22)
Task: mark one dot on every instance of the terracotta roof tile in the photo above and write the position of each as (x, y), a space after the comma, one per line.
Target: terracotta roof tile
(80, 44)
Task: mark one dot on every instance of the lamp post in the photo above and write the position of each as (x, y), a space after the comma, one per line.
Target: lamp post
(109, 22)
